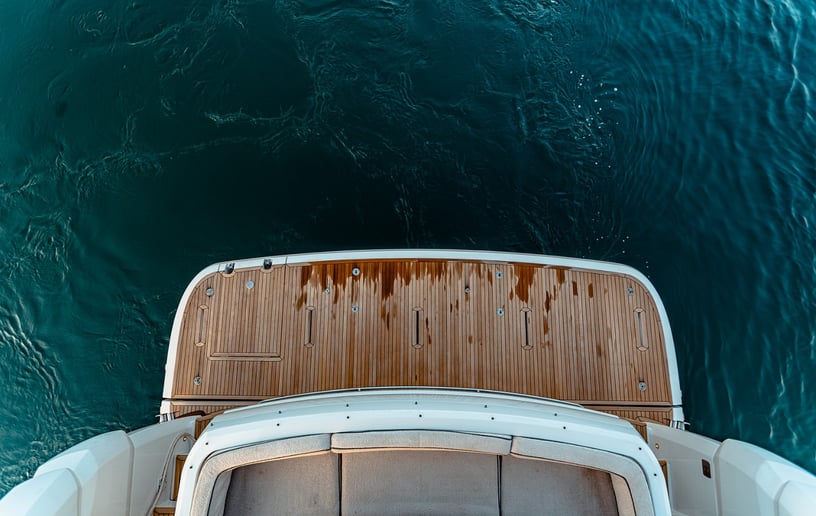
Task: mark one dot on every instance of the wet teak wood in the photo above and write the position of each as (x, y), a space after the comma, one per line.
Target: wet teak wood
(589, 337)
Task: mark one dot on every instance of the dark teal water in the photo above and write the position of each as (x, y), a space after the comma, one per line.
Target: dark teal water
(143, 141)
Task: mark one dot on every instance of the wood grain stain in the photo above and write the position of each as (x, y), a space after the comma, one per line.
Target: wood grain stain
(305, 275)
(388, 278)
(561, 274)
(524, 280)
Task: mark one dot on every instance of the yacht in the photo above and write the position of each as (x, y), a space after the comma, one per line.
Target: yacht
(417, 382)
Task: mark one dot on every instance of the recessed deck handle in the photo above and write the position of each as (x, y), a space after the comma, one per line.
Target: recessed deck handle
(202, 324)
(643, 344)
(416, 342)
(309, 319)
(525, 315)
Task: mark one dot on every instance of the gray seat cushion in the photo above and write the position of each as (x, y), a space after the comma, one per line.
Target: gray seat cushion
(303, 485)
(543, 487)
(419, 482)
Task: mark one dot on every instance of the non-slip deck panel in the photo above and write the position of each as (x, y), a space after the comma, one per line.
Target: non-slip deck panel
(584, 336)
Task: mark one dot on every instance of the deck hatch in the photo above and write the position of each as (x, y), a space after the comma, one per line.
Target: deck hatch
(245, 308)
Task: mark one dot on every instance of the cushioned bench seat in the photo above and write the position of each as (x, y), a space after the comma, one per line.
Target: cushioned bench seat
(420, 472)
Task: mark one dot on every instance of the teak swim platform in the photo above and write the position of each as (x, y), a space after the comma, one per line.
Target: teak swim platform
(536, 325)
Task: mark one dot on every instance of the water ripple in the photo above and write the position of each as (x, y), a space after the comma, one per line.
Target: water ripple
(142, 140)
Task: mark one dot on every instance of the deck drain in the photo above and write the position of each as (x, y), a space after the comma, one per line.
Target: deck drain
(355, 271)
(355, 308)
(250, 284)
(499, 274)
(630, 291)
(327, 291)
(642, 386)
(197, 380)
(467, 290)
(500, 312)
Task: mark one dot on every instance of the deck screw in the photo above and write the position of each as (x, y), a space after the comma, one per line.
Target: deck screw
(197, 380)
(210, 292)
(355, 308)
(355, 271)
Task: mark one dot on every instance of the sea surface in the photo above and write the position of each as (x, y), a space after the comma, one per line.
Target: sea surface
(143, 140)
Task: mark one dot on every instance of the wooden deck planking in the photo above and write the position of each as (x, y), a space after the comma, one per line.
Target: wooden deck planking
(580, 343)
(639, 417)
(660, 415)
